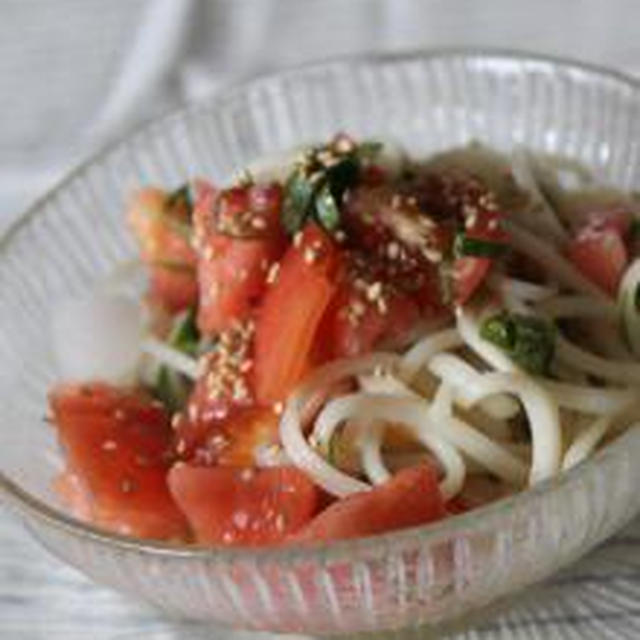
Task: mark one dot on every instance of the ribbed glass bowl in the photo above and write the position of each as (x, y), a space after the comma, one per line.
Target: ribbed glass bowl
(76, 235)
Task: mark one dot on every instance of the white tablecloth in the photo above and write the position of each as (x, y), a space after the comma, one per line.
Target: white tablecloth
(74, 74)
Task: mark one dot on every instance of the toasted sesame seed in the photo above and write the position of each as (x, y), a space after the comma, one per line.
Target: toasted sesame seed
(280, 522)
(272, 274)
(310, 255)
(127, 485)
(297, 239)
(374, 291)
(246, 475)
(240, 519)
(109, 445)
(278, 408)
(393, 250)
(258, 223)
(119, 414)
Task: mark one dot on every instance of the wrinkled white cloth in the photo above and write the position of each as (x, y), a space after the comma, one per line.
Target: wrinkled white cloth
(74, 74)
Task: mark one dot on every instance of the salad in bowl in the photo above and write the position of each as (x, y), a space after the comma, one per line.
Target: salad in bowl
(382, 380)
(349, 343)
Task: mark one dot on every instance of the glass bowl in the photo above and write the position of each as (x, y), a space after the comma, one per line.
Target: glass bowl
(428, 576)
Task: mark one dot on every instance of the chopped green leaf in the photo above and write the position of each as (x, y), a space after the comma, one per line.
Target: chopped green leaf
(327, 211)
(500, 330)
(184, 334)
(634, 229)
(468, 246)
(298, 196)
(180, 197)
(369, 149)
(171, 389)
(529, 341)
(173, 265)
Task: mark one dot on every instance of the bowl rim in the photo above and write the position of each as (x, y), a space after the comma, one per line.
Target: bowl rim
(425, 535)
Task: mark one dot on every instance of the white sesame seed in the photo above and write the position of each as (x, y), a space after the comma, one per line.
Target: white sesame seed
(240, 519)
(272, 275)
(246, 475)
(109, 445)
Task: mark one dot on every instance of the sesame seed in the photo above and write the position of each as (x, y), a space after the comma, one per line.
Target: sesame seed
(119, 414)
(240, 519)
(227, 537)
(278, 408)
(393, 250)
(109, 445)
(246, 475)
(272, 275)
(297, 239)
(258, 223)
(340, 235)
(127, 485)
(374, 291)
(310, 255)
(280, 522)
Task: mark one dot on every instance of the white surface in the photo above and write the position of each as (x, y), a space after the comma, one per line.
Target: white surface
(77, 73)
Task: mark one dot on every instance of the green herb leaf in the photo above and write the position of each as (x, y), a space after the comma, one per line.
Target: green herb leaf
(184, 334)
(173, 265)
(527, 340)
(180, 197)
(298, 196)
(326, 208)
(468, 246)
(500, 330)
(171, 389)
(369, 149)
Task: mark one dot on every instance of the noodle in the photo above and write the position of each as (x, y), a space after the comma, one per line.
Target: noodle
(586, 442)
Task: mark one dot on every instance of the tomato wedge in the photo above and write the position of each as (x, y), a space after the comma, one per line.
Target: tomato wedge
(291, 312)
(238, 237)
(600, 253)
(409, 499)
(118, 452)
(163, 230)
(236, 506)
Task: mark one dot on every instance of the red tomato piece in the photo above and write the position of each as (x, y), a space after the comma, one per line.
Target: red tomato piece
(236, 506)
(162, 234)
(238, 237)
(292, 309)
(409, 499)
(233, 441)
(355, 324)
(118, 452)
(601, 255)
(469, 273)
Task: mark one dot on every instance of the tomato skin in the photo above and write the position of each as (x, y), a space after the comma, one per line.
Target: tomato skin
(118, 453)
(232, 441)
(601, 255)
(469, 272)
(291, 312)
(236, 506)
(171, 259)
(410, 498)
(355, 325)
(232, 270)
